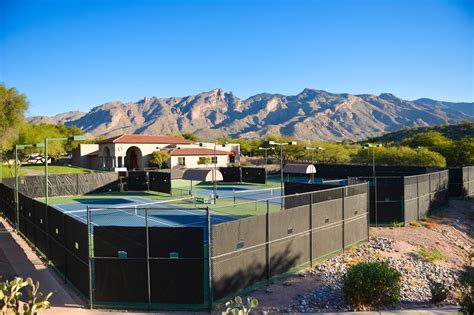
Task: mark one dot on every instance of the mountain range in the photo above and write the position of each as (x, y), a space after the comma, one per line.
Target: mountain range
(311, 114)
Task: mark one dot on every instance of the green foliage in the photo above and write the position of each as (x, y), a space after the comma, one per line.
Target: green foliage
(159, 158)
(439, 292)
(454, 142)
(400, 155)
(237, 306)
(204, 160)
(32, 134)
(12, 108)
(453, 132)
(36, 300)
(187, 136)
(430, 254)
(10, 294)
(466, 282)
(190, 136)
(371, 284)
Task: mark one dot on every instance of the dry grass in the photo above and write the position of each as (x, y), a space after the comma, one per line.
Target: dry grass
(416, 224)
(430, 254)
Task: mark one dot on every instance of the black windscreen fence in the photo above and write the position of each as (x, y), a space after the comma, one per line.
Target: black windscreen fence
(257, 175)
(231, 174)
(137, 181)
(337, 171)
(461, 181)
(160, 181)
(61, 239)
(424, 194)
(68, 184)
(252, 250)
(167, 266)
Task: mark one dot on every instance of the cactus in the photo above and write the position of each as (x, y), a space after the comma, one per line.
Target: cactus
(10, 294)
(37, 301)
(237, 306)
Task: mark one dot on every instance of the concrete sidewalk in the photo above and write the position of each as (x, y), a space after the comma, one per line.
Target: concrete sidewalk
(417, 311)
(18, 259)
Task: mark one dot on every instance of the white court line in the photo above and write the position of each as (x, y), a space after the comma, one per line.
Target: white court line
(82, 220)
(72, 214)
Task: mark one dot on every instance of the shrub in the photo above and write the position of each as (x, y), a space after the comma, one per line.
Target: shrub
(371, 284)
(439, 292)
(237, 306)
(466, 281)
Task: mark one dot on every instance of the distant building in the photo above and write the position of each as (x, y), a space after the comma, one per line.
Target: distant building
(128, 152)
(87, 156)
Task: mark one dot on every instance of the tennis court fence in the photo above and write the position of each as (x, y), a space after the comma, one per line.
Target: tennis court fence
(138, 263)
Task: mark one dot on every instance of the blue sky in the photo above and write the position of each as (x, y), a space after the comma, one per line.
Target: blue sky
(73, 55)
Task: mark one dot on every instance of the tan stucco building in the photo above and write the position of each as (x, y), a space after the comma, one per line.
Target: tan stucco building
(128, 152)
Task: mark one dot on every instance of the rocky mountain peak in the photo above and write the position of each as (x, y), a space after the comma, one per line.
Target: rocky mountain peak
(311, 114)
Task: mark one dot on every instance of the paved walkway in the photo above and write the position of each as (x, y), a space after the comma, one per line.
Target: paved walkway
(420, 311)
(18, 259)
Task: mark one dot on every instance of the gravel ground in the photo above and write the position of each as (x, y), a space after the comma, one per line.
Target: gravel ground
(319, 289)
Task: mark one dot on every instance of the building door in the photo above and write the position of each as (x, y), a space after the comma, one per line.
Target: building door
(133, 160)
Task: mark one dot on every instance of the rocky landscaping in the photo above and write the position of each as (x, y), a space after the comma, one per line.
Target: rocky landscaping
(432, 251)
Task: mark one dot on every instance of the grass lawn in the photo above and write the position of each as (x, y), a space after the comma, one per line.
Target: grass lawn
(6, 171)
(58, 169)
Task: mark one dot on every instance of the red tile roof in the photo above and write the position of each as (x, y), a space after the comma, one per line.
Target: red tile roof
(195, 151)
(146, 139)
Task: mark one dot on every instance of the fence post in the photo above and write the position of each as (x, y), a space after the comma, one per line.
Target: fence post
(368, 211)
(375, 202)
(311, 229)
(209, 257)
(89, 256)
(417, 198)
(267, 245)
(148, 256)
(343, 220)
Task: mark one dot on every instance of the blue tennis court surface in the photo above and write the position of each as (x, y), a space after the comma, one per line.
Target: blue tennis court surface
(129, 211)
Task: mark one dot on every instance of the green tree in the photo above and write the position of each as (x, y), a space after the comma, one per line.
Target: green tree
(190, 136)
(12, 115)
(463, 152)
(159, 158)
(204, 160)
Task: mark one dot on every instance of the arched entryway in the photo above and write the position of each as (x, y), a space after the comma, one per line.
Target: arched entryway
(133, 158)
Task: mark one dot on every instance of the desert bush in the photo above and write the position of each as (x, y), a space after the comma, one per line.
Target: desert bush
(371, 284)
(439, 292)
(466, 300)
(236, 306)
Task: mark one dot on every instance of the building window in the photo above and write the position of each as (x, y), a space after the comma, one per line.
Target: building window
(120, 161)
(214, 160)
(181, 161)
(231, 159)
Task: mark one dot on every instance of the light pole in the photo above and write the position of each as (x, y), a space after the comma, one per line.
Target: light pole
(73, 138)
(17, 206)
(214, 173)
(312, 162)
(266, 154)
(281, 144)
(266, 160)
(374, 180)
